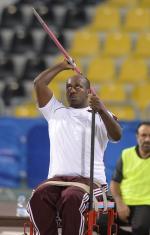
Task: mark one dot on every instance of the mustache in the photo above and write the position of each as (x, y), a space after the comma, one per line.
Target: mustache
(146, 142)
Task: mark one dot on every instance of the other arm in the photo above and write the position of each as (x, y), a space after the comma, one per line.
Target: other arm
(122, 209)
(113, 128)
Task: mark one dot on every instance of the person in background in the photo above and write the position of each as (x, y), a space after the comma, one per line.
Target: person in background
(70, 149)
(130, 184)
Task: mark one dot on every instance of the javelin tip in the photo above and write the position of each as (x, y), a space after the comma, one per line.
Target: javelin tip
(34, 11)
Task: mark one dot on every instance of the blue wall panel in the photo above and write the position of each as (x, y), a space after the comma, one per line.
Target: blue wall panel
(29, 140)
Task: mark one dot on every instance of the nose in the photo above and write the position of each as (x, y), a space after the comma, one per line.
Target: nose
(72, 90)
(147, 137)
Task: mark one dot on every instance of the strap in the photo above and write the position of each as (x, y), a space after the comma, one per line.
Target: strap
(105, 202)
(85, 187)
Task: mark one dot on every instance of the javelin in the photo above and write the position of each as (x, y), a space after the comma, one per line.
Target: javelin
(53, 37)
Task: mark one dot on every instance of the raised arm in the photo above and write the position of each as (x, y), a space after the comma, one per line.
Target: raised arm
(114, 131)
(41, 82)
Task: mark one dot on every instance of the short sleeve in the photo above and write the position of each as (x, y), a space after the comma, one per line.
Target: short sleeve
(117, 174)
(49, 109)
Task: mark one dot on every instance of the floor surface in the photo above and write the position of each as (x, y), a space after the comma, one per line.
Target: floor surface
(8, 202)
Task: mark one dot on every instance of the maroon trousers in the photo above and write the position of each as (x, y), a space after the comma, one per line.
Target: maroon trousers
(47, 200)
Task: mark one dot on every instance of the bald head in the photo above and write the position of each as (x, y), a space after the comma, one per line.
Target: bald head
(83, 79)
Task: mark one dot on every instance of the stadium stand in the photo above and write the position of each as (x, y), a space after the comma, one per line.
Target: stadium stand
(123, 3)
(22, 42)
(128, 112)
(106, 19)
(137, 19)
(13, 92)
(119, 41)
(142, 47)
(145, 3)
(25, 2)
(141, 97)
(114, 90)
(7, 68)
(84, 43)
(75, 17)
(11, 17)
(76, 2)
(119, 103)
(32, 67)
(27, 110)
(133, 71)
(1, 43)
(101, 70)
(48, 47)
(57, 88)
(46, 13)
(117, 45)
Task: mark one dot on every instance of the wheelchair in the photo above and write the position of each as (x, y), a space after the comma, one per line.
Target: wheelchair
(103, 221)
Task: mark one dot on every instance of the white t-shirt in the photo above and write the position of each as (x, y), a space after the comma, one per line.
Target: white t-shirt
(70, 141)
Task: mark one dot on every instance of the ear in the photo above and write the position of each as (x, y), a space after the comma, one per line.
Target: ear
(93, 92)
(89, 91)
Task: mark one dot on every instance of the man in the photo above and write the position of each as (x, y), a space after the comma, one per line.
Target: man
(130, 185)
(70, 137)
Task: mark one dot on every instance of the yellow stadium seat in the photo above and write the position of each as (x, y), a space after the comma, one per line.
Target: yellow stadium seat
(113, 92)
(85, 43)
(26, 110)
(143, 46)
(101, 70)
(145, 3)
(64, 75)
(124, 112)
(56, 88)
(117, 45)
(106, 19)
(123, 3)
(133, 71)
(137, 19)
(141, 95)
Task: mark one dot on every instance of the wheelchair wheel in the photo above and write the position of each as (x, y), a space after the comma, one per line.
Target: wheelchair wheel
(102, 223)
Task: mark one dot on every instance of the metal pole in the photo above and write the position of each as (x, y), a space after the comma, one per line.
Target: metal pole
(91, 214)
(92, 160)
